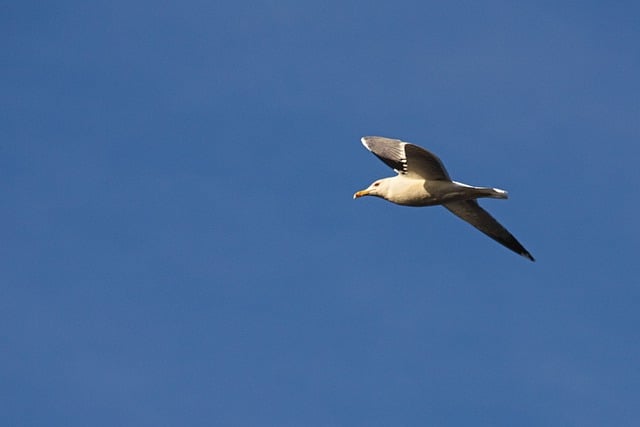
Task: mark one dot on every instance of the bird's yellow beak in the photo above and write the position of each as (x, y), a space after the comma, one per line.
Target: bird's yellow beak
(360, 194)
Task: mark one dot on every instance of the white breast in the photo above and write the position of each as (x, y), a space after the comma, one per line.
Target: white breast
(407, 191)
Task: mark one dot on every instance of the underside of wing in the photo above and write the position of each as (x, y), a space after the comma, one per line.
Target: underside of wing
(470, 211)
(390, 151)
(406, 158)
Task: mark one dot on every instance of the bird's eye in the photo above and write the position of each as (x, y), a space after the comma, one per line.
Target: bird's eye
(376, 184)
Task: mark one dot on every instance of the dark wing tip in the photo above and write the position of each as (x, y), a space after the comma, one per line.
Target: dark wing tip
(471, 212)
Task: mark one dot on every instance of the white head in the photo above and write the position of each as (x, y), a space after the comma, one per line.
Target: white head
(379, 188)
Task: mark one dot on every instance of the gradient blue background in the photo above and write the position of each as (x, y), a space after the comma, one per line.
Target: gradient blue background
(180, 246)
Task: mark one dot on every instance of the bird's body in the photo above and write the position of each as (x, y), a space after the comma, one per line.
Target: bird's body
(416, 191)
(422, 180)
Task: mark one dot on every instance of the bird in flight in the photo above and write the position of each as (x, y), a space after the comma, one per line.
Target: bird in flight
(422, 180)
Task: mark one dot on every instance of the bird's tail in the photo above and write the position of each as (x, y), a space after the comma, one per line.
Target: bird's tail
(494, 193)
(477, 192)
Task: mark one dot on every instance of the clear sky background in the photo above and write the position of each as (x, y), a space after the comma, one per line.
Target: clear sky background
(180, 246)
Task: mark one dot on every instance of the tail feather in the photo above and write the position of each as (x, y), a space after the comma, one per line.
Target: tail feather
(477, 192)
(497, 193)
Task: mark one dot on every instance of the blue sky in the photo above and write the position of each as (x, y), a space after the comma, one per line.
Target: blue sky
(180, 246)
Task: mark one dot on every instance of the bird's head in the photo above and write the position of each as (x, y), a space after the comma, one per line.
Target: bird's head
(379, 188)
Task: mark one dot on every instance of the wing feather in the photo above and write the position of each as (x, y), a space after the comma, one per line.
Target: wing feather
(470, 211)
(406, 158)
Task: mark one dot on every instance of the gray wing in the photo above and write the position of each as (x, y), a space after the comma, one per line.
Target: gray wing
(470, 211)
(406, 158)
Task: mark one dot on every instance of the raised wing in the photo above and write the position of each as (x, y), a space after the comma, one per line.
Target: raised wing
(470, 211)
(406, 158)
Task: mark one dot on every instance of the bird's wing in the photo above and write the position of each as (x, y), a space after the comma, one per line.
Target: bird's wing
(407, 159)
(470, 211)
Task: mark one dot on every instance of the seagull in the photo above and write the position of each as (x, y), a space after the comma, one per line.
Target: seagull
(422, 180)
